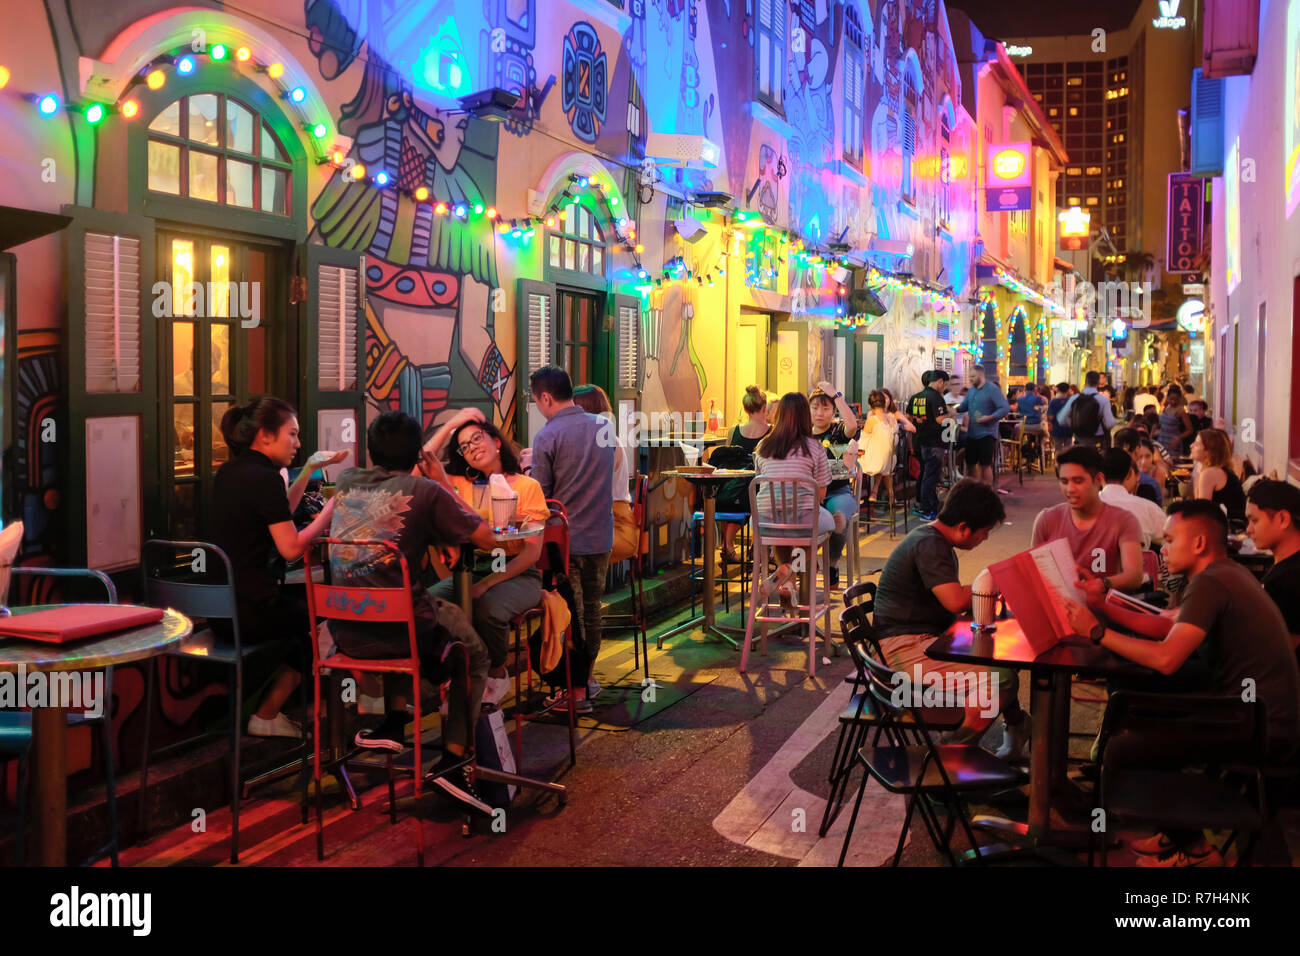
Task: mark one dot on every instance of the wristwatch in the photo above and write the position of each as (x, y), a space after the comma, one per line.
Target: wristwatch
(1097, 633)
(839, 394)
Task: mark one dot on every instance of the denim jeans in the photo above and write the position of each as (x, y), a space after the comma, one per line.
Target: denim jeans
(841, 502)
(927, 495)
(498, 606)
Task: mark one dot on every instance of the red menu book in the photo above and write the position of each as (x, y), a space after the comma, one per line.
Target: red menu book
(72, 622)
(1036, 584)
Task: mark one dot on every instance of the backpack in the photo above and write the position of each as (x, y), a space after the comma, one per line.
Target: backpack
(1085, 416)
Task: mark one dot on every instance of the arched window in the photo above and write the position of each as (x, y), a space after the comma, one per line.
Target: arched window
(854, 82)
(1019, 345)
(211, 147)
(576, 242)
(989, 335)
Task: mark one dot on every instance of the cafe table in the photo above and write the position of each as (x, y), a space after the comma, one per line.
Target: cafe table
(465, 567)
(50, 724)
(1049, 674)
(708, 483)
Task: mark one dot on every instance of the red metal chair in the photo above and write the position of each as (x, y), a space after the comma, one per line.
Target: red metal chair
(371, 606)
(636, 620)
(1151, 565)
(554, 539)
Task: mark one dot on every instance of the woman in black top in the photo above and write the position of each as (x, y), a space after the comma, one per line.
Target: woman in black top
(253, 524)
(840, 499)
(734, 495)
(1213, 476)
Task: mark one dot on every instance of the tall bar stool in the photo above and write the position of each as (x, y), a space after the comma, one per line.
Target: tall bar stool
(636, 620)
(781, 524)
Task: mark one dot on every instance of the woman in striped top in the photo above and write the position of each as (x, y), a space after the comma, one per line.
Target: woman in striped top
(790, 451)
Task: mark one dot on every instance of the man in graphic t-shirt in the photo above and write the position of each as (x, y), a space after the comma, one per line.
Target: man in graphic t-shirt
(928, 411)
(389, 503)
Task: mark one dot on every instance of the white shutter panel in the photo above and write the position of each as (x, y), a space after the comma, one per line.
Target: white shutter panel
(540, 330)
(112, 313)
(337, 324)
(629, 345)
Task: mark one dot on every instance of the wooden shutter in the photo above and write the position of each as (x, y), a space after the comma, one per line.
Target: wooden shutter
(109, 430)
(338, 292)
(331, 356)
(534, 344)
(627, 347)
(112, 311)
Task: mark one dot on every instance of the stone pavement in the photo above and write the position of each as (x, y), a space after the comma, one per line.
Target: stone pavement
(733, 774)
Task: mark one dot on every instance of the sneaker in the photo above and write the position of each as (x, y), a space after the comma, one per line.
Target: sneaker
(1153, 845)
(452, 776)
(559, 702)
(1015, 739)
(833, 577)
(496, 690)
(277, 726)
(593, 688)
(390, 735)
(1203, 855)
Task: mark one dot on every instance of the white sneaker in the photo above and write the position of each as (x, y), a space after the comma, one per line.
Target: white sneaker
(277, 726)
(496, 690)
(593, 688)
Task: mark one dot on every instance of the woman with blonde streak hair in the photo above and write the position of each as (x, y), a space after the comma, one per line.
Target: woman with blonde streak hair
(627, 537)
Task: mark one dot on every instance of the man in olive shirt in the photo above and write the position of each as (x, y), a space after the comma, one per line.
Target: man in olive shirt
(1241, 643)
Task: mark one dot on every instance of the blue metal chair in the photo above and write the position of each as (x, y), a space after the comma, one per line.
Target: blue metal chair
(172, 583)
(16, 730)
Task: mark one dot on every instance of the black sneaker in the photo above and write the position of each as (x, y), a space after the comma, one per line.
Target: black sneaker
(833, 577)
(451, 774)
(390, 735)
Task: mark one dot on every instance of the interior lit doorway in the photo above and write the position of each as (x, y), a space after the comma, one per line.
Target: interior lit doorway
(218, 348)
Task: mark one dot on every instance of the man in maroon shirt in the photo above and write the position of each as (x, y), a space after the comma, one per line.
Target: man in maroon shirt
(1105, 540)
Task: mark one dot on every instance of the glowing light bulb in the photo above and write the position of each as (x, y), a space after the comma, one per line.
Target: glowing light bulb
(4, 77)
(319, 130)
(297, 94)
(478, 209)
(155, 79)
(275, 71)
(492, 212)
(48, 104)
(461, 211)
(422, 193)
(358, 171)
(381, 179)
(185, 65)
(130, 109)
(219, 52)
(94, 113)
(243, 54)
(440, 209)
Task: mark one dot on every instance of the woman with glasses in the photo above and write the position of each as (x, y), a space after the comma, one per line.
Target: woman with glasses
(476, 450)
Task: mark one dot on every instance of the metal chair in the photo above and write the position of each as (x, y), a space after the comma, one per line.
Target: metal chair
(173, 582)
(784, 524)
(923, 770)
(861, 713)
(16, 728)
(554, 560)
(636, 620)
(1211, 725)
(366, 605)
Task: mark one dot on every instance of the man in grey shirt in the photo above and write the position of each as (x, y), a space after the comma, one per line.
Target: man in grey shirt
(573, 461)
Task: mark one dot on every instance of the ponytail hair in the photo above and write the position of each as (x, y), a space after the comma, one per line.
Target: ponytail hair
(241, 423)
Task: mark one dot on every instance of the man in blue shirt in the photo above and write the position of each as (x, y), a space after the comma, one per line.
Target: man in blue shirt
(987, 406)
(573, 461)
(1100, 439)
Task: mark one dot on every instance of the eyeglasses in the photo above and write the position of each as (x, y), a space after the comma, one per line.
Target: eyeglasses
(478, 439)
